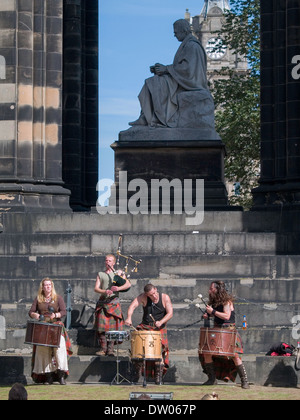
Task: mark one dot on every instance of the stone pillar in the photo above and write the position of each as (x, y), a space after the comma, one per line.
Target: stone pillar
(31, 106)
(80, 99)
(280, 106)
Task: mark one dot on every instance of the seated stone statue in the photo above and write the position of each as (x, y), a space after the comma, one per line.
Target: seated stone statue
(177, 96)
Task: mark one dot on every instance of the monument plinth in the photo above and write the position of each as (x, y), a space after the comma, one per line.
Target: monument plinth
(173, 154)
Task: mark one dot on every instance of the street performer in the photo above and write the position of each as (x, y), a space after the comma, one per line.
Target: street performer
(109, 315)
(50, 364)
(220, 306)
(157, 311)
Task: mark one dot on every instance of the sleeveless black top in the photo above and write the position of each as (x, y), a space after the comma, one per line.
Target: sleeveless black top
(219, 322)
(157, 310)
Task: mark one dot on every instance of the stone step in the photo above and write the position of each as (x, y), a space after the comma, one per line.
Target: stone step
(140, 245)
(184, 369)
(214, 221)
(94, 222)
(168, 267)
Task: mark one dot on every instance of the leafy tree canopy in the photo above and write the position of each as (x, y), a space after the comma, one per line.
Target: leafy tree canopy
(237, 99)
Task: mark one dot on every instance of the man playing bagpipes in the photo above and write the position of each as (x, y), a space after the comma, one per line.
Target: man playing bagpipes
(108, 314)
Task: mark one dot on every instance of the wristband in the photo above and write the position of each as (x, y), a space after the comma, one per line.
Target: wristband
(213, 312)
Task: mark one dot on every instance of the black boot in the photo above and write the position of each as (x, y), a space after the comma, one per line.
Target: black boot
(49, 379)
(61, 377)
(209, 369)
(243, 375)
(110, 349)
(158, 373)
(136, 371)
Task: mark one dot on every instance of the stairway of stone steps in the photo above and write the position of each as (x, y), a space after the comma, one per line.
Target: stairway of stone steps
(181, 261)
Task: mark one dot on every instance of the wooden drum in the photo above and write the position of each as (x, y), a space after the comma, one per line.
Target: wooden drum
(43, 334)
(146, 344)
(217, 342)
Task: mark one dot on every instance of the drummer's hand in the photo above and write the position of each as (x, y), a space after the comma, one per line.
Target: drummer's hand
(209, 309)
(52, 316)
(35, 316)
(128, 322)
(114, 288)
(109, 292)
(158, 324)
(205, 316)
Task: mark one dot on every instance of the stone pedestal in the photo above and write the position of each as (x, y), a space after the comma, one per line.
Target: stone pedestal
(173, 154)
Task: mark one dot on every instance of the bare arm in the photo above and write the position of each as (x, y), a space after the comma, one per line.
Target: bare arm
(97, 288)
(169, 311)
(134, 304)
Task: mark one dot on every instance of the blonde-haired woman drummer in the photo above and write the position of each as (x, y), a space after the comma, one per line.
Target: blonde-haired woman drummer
(220, 306)
(49, 363)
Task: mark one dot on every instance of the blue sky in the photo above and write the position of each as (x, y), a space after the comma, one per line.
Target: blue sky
(133, 35)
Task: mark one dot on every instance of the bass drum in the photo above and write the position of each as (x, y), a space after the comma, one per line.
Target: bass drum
(146, 344)
(43, 334)
(217, 342)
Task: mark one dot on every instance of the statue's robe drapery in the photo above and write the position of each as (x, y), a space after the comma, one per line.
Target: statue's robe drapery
(158, 96)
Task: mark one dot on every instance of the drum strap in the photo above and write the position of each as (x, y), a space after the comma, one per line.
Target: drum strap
(189, 325)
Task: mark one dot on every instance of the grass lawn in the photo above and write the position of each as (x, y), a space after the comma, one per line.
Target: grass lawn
(180, 392)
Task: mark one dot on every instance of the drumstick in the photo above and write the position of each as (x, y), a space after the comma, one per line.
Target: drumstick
(201, 297)
(153, 319)
(131, 326)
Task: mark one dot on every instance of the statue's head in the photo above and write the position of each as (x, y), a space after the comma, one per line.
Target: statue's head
(181, 29)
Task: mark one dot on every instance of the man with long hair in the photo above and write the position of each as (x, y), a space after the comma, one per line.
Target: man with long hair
(220, 306)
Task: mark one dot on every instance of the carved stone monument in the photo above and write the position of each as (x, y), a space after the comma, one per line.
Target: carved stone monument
(174, 136)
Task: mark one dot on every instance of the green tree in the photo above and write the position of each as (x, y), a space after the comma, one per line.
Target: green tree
(237, 99)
